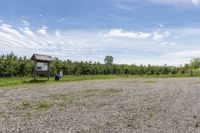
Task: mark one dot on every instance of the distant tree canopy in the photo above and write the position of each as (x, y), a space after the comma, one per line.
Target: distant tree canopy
(11, 65)
(195, 63)
(108, 59)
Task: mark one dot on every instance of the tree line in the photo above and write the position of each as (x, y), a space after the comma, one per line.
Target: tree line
(12, 65)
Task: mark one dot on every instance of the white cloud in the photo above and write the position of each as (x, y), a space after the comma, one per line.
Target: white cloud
(122, 4)
(177, 2)
(170, 1)
(57, 33)
(158, 36)
(152, 47)
(127, 34)
(154, 35)
(43, 30)
(167, 43)
(27, 31)
(126, 4)
(196, 2)
(8, 29)
(187, 54)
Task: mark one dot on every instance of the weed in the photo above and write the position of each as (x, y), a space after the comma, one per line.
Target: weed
(68, 98)
(44, 105)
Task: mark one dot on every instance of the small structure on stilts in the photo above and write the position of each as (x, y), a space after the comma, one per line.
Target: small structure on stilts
(41, 64)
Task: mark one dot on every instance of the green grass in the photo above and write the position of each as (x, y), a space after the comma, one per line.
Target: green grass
(44, 105)
(35, 105)
(65, 99)
(6, 82)
(13, 81)
(26, 105)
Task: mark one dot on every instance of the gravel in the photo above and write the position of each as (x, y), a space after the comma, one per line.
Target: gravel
(118, 105)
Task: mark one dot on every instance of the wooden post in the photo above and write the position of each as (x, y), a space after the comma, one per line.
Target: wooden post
(48, 70)
(35, 64)
(191, 73)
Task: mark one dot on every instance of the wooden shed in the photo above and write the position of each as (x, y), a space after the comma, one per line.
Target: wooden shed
(41, 64)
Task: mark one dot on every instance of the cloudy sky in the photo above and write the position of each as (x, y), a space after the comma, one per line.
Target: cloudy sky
(132, 31)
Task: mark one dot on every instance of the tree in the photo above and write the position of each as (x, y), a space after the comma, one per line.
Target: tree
(108, 59)
(174, 70)
(195, 63)
(11, 65)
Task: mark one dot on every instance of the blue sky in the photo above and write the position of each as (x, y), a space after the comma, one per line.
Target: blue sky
(132, 31)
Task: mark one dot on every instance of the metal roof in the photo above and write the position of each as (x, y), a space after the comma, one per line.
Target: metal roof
(41, 57)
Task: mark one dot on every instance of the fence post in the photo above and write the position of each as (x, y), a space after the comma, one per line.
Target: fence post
(191, 73)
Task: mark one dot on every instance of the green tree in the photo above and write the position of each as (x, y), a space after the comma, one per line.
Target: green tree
(108, 59)
(195, 63)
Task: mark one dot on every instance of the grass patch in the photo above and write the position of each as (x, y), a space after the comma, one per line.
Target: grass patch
(62, 100)
(93, 92)
(26, 105)
(49, 101)
(68, 98)
(32, 105)
(6, 82)
(44, 105)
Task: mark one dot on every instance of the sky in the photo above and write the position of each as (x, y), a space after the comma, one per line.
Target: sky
(138, 32)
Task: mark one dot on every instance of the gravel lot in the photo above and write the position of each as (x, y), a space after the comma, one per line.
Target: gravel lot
(169, 105)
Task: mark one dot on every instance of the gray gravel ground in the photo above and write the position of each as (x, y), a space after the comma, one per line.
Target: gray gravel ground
(126, 105)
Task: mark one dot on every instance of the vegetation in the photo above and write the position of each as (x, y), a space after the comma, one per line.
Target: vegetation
(44, 105)
(15, 67)
(108, 60)
(11, 66)
(63, 100)
(67, 98)
(36, 105)
(43, 80)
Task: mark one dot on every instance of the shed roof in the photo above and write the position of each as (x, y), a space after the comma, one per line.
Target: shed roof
(41, 57)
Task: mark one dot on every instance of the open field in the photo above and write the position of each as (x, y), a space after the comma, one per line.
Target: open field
(117, 105)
